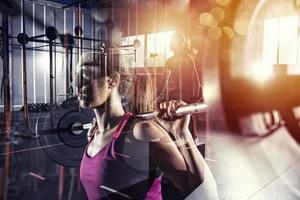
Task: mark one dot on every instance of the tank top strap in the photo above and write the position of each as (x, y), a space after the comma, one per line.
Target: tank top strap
(122, 124)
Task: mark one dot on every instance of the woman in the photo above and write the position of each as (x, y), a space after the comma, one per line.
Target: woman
(181, 72)
(123, 154)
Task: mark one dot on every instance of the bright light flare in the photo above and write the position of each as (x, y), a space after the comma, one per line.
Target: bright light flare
(207, 19)
(228, 31)
(241, 23)
(178, 5)
(158, 44)
(223, 2)
(214, 33)
(218, 13)
(261, 72)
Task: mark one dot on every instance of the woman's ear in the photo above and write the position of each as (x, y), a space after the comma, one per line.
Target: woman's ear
(114, 79)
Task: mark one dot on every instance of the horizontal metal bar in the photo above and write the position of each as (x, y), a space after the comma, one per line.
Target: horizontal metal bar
(34, 38)
(37, 40)
(74, 4)
(88, 39)
(37, 36)
(55, 45)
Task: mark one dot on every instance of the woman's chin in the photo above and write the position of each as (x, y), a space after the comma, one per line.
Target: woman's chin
(96, 104)
(83, 104)
(90, 104)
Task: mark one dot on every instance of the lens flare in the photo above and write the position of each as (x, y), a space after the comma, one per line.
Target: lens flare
(206, 19)
(214, 33)
(242, 23)
(261, 72)
(228, 31)
(218, 13)
(223, 2)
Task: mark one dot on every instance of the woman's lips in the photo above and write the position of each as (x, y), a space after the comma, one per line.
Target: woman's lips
(83, 93)
(83, 99)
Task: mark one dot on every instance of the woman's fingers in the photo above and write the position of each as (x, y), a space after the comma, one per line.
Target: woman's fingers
(180, 103)
(171, 110)
(168, 109)
(168, 112)
(162, 109)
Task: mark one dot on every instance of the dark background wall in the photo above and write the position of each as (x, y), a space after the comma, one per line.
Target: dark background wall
(43, 15)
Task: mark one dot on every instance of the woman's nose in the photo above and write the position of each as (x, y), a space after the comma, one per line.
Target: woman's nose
(79, 90)
(86, 72)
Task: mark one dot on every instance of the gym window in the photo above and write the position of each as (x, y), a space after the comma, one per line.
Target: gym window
(153, 51)
(279, 46)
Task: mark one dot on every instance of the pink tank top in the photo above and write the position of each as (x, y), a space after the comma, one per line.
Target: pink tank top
(107, 176)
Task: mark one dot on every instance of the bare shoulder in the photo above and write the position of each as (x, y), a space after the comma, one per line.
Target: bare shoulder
(148, 130)
(170, 61)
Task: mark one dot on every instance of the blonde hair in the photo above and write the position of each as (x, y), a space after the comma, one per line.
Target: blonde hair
(140, 99)
(135, 88)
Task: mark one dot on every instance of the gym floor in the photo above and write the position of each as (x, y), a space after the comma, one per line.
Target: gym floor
(254, 168)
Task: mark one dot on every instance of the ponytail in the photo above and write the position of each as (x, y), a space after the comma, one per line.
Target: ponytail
(140, 94)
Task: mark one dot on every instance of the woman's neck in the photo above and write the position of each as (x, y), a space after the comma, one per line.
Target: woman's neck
(109, 114)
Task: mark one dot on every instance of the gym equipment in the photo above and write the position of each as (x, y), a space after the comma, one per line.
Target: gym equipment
(68, 126)
(242, 95)
(51, 33)
(60, 126)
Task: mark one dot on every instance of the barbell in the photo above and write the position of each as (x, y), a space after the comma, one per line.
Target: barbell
(67, 125)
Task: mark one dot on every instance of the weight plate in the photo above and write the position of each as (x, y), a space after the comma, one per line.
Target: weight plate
(61, 136)
(70, 104)
(67, 129)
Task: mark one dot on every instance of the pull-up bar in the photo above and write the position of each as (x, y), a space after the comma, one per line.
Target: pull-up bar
(52, 34)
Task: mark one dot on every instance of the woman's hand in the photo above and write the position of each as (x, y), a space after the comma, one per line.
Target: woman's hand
(178, 126)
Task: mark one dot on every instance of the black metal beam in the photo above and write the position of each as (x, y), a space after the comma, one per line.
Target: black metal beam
(74, 4)
(7, 104)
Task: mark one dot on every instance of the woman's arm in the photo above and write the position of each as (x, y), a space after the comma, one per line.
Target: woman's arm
(180, 161)
(164, 153)
(179, 128)
(193, 159)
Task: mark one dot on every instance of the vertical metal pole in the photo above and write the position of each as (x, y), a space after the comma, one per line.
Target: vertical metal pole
(7, 104)
(78, 183)
(70, 78)
(67, 39)
(155, 60)
(79, 40)
(61, 183)
(298, 34)
(51, 72)
(278, 43)
(25, 99)
(54, 68)
(80, 34)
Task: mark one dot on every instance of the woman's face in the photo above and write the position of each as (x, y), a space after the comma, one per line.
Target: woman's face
(92, 85)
